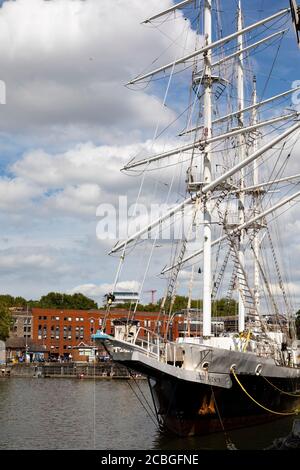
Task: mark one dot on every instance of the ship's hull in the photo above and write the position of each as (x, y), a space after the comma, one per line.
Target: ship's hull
(212, 389)
(187, 408)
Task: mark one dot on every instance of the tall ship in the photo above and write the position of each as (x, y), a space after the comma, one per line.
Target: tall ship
(235, 164)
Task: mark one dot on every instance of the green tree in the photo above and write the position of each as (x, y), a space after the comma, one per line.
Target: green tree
(220, 307)
(6, 300)
(33, 303)
(139, 308)
(10, 301)
(20, 302)
(76, 301)
(5, 323)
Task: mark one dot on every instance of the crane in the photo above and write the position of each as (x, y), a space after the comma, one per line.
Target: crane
(153, 291)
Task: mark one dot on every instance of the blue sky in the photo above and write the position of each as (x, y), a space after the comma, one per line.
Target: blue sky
(69, 125)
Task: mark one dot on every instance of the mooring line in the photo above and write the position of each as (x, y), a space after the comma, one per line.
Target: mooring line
(295, 412)
(281, 391)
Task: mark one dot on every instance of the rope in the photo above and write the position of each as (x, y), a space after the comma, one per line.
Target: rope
(141, 402)
(295, 412)
(141, 391)
(229, 444)
(281, 391)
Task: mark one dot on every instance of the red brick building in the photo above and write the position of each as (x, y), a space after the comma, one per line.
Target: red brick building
(64, 332)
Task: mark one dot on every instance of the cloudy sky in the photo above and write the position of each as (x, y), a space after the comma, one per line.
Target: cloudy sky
(69, 124)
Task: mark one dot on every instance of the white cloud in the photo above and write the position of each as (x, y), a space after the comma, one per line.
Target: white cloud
(96, 291)
(76, 181)
(16, 194)
(76, 200)
(84, 163)
(11, 261)
(65, 64)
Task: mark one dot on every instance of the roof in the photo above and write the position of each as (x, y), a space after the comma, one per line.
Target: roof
(15, 342)
(83, 345)
(126, 293)
(125, 321)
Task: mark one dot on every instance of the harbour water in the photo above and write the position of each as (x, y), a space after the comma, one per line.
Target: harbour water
(87, 414)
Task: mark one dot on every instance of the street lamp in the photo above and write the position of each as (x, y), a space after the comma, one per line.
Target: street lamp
(92, 321)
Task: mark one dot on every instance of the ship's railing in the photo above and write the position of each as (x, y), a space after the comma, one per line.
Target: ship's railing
(152, 343)
(149, 341)
(156, 346)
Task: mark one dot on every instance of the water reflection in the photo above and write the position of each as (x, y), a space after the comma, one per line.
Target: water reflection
(103, 414)
(251, 438)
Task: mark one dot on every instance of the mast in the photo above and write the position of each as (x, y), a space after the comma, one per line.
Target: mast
(241, 142)
(209, 46)
(178, 6)
(247, 224)
(207, 119)
(249, 108)
(189, 304)
(256, 205)
(204, 141)
(208, 187)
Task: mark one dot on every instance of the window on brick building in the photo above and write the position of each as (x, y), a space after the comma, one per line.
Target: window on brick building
(69, 332)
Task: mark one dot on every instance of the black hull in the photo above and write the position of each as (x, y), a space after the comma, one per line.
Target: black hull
(187, 408)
